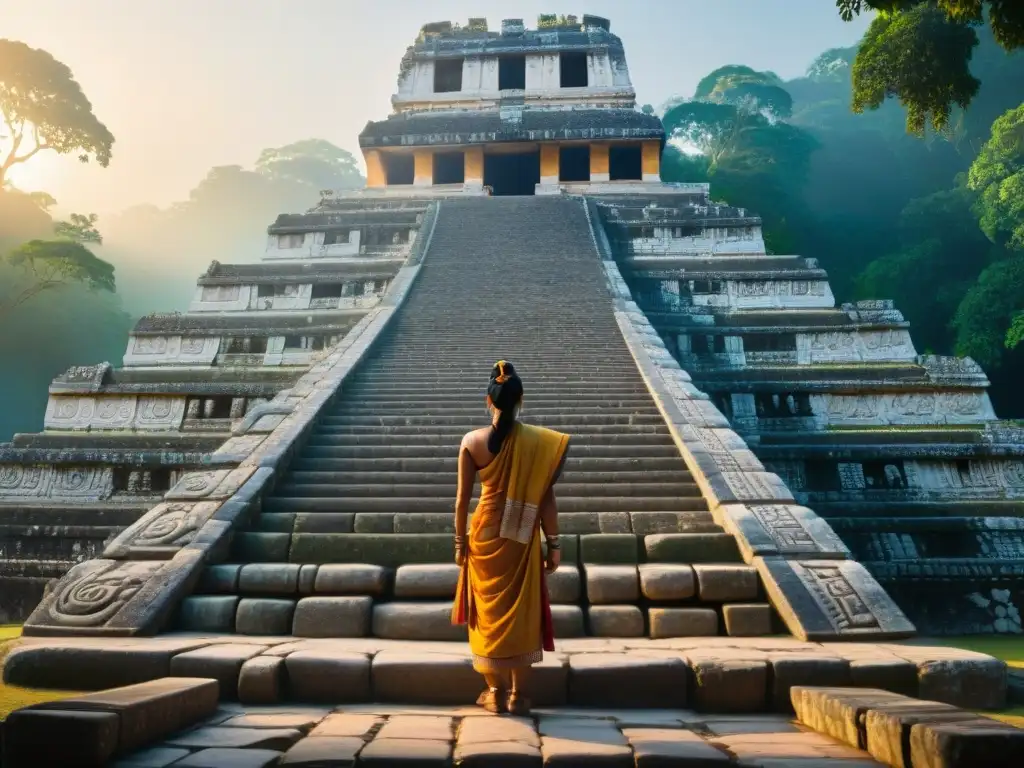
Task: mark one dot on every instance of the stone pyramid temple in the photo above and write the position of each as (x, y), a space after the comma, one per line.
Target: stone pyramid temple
(748, 457)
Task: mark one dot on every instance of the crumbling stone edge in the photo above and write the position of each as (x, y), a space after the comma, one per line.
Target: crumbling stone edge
(818, 590)
(144, 573)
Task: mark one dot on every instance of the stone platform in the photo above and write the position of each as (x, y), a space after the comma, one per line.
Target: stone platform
(707, 674)
(374, 735)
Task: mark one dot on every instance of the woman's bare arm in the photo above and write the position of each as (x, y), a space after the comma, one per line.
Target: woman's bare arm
(549, 513)
(467, 476)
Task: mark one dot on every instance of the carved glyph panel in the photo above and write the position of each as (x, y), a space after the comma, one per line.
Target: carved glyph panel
(160, 413)
(161, 350)
(89, 412)
(851, 346)
(35, 482)
(904, 408)
(93, 592)
(162, 531)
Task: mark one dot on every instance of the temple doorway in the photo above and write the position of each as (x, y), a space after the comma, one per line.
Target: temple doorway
(512, 173)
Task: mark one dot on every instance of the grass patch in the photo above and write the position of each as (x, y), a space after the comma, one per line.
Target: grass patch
(1008, 648)
(14, 697)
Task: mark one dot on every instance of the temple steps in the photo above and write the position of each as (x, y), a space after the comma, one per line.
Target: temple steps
(573, 465)
(382, 448)
(392, 499)
(653, 435)
(356, 539)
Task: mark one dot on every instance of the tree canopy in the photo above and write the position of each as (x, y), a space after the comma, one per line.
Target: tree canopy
(313, 162)
(998, 176)
(919, 51)
(43, 108)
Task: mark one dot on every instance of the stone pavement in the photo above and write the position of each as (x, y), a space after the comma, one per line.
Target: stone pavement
(706, 674)
(379, 735)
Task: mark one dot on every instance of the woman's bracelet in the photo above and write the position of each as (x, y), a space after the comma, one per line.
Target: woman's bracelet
(553, 542)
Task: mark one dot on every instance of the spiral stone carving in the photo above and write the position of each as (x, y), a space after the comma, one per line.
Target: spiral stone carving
(95, 597)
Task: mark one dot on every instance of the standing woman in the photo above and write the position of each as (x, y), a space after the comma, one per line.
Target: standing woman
(502, 594)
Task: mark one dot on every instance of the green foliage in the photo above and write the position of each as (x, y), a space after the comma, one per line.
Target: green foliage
(988, 311)
(920, 51)
(43, 108)
(550, 20)
(890, 63)
(312, 162)
(708, 83)
(998, 176)
(80, 229)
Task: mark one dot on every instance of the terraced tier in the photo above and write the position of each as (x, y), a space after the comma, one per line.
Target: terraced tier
(357, 537)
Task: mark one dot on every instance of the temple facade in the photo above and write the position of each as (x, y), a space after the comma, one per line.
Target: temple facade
(749, 457)
(513, 112)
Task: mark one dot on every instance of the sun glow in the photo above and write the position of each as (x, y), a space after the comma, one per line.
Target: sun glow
(40, 174)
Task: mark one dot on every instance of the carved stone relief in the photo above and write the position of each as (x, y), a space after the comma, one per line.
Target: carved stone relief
(78, 483)
(89, 412)
(904, 408)
(832, 346)
(160, 413)
(162, 531)
(93, 592)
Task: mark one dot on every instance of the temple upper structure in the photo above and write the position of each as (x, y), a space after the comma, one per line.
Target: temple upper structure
(513, 112)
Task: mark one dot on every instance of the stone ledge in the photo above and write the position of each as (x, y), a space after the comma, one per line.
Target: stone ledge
(722, 674)
(903, 731)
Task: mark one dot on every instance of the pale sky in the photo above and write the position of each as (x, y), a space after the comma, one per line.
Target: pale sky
(185, 85)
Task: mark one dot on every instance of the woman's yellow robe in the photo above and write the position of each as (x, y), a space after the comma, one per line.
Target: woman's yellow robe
(502, 595)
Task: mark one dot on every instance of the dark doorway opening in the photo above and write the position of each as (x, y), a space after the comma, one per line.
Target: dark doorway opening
(449, 168)
(399, 169)
(573, 70)
(512, 73)
(574, 163)
(447, 75)
(625, 163)
(512, 173)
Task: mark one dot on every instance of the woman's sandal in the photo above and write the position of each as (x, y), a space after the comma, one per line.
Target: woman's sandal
(518, 704)
(492, 700)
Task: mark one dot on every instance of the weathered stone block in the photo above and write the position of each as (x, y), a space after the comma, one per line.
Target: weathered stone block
(660, 747)
(323, 751)
(416, 621)
(264, 616)
(727, 683)
(162, 532)
(747, 488)
(647, 523)
(425, 522)
(970, 683)
(564, 585)
(691, 548)
(747, 619)
(347, 616)
(425, 678)
(307, 579)
(615, 621)
(888, 674)
(724, 583)
(764, 530)
(328, 677)
(324, 522)
(227, 757)
(262, 546)
(154, 757)
(219, 579)
(793, 669)
(437, 580)
(887, 727)
(351, 579)
(221, 662)
(215, 737)
(346, 725)
(618, 548)
(567, 621)
(374, 522)
(148, 711)
(386, 753)
(208, 613)
(386, 549)
(432, 727)
(839, 712)
(625, 680)
(508, 754)
(261, 680)
(667, 581)
(87, 739)
(857, 606)
(965, 744)
(683, 622)
(269, 579)
(610, 584)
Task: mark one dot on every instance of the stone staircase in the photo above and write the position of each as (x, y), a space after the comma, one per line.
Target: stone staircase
(356, 538)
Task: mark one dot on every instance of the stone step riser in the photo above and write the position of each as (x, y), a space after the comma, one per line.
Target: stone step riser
(445, 476)
(573, 466)
(357, 409)
(444, 504)
(384, 449)
(553, 422)
(451, 437)
(294, 487)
